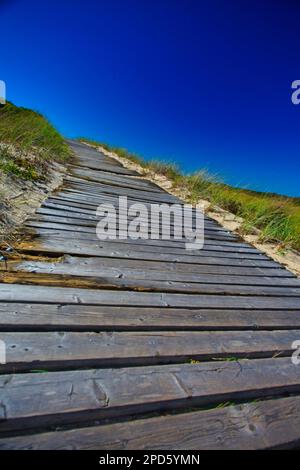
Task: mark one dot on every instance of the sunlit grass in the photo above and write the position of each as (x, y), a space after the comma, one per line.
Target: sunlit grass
(35, 142)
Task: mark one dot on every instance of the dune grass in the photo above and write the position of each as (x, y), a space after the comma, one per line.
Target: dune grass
(276, 216)
(28, 143)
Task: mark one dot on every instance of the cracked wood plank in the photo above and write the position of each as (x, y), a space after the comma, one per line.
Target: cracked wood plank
(144, 285)
(30, 401)
(77, 266)
(263, 425)
(106, 249)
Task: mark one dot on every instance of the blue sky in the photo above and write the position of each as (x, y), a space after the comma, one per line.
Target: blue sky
(204, 83)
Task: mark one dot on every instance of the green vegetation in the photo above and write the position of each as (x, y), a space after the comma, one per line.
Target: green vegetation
(276, 216)
(28, 142)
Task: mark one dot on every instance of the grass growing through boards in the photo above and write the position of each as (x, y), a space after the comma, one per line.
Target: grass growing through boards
(28, 142)
(276, 216)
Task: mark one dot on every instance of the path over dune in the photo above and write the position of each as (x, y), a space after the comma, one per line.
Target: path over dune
(142, 344)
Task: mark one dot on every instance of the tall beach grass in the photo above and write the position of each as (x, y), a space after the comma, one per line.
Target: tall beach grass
(28, 141)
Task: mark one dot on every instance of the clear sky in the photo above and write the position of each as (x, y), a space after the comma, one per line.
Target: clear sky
(203, 83)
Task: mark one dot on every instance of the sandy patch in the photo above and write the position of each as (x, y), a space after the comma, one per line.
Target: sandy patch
(20, 198)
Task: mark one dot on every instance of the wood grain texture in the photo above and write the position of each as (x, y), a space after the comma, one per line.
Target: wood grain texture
(63, 350)
(61, 317)
(26, 293)
(252, 426)
(76, 396)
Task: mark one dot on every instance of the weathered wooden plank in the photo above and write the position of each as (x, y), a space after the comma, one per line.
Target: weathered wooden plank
(63, 213)
(263, 425)
(60, 317)
(85, 153)
(114, 179)
(63, 350)
(67, 224)
(41, 400)
(102, 248)
(92, 220)
(73, 225)
(83, 183)
(119, 181)
(90, 267)
(105, 167)
(81, 212)
(70, 199)
(215, 245)
(85, 177)
(23, 293)
(132, 193)
(61, 207)
(164, 269)
(144, 285)
(77, 191)
(100, 162)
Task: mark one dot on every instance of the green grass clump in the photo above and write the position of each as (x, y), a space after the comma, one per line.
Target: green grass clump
(35, 142)
(276, 216)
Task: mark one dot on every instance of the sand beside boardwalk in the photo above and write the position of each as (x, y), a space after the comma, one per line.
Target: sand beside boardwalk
(20, 198)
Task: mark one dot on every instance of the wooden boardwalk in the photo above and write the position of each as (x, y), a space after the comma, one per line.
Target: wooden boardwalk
(142, 344)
